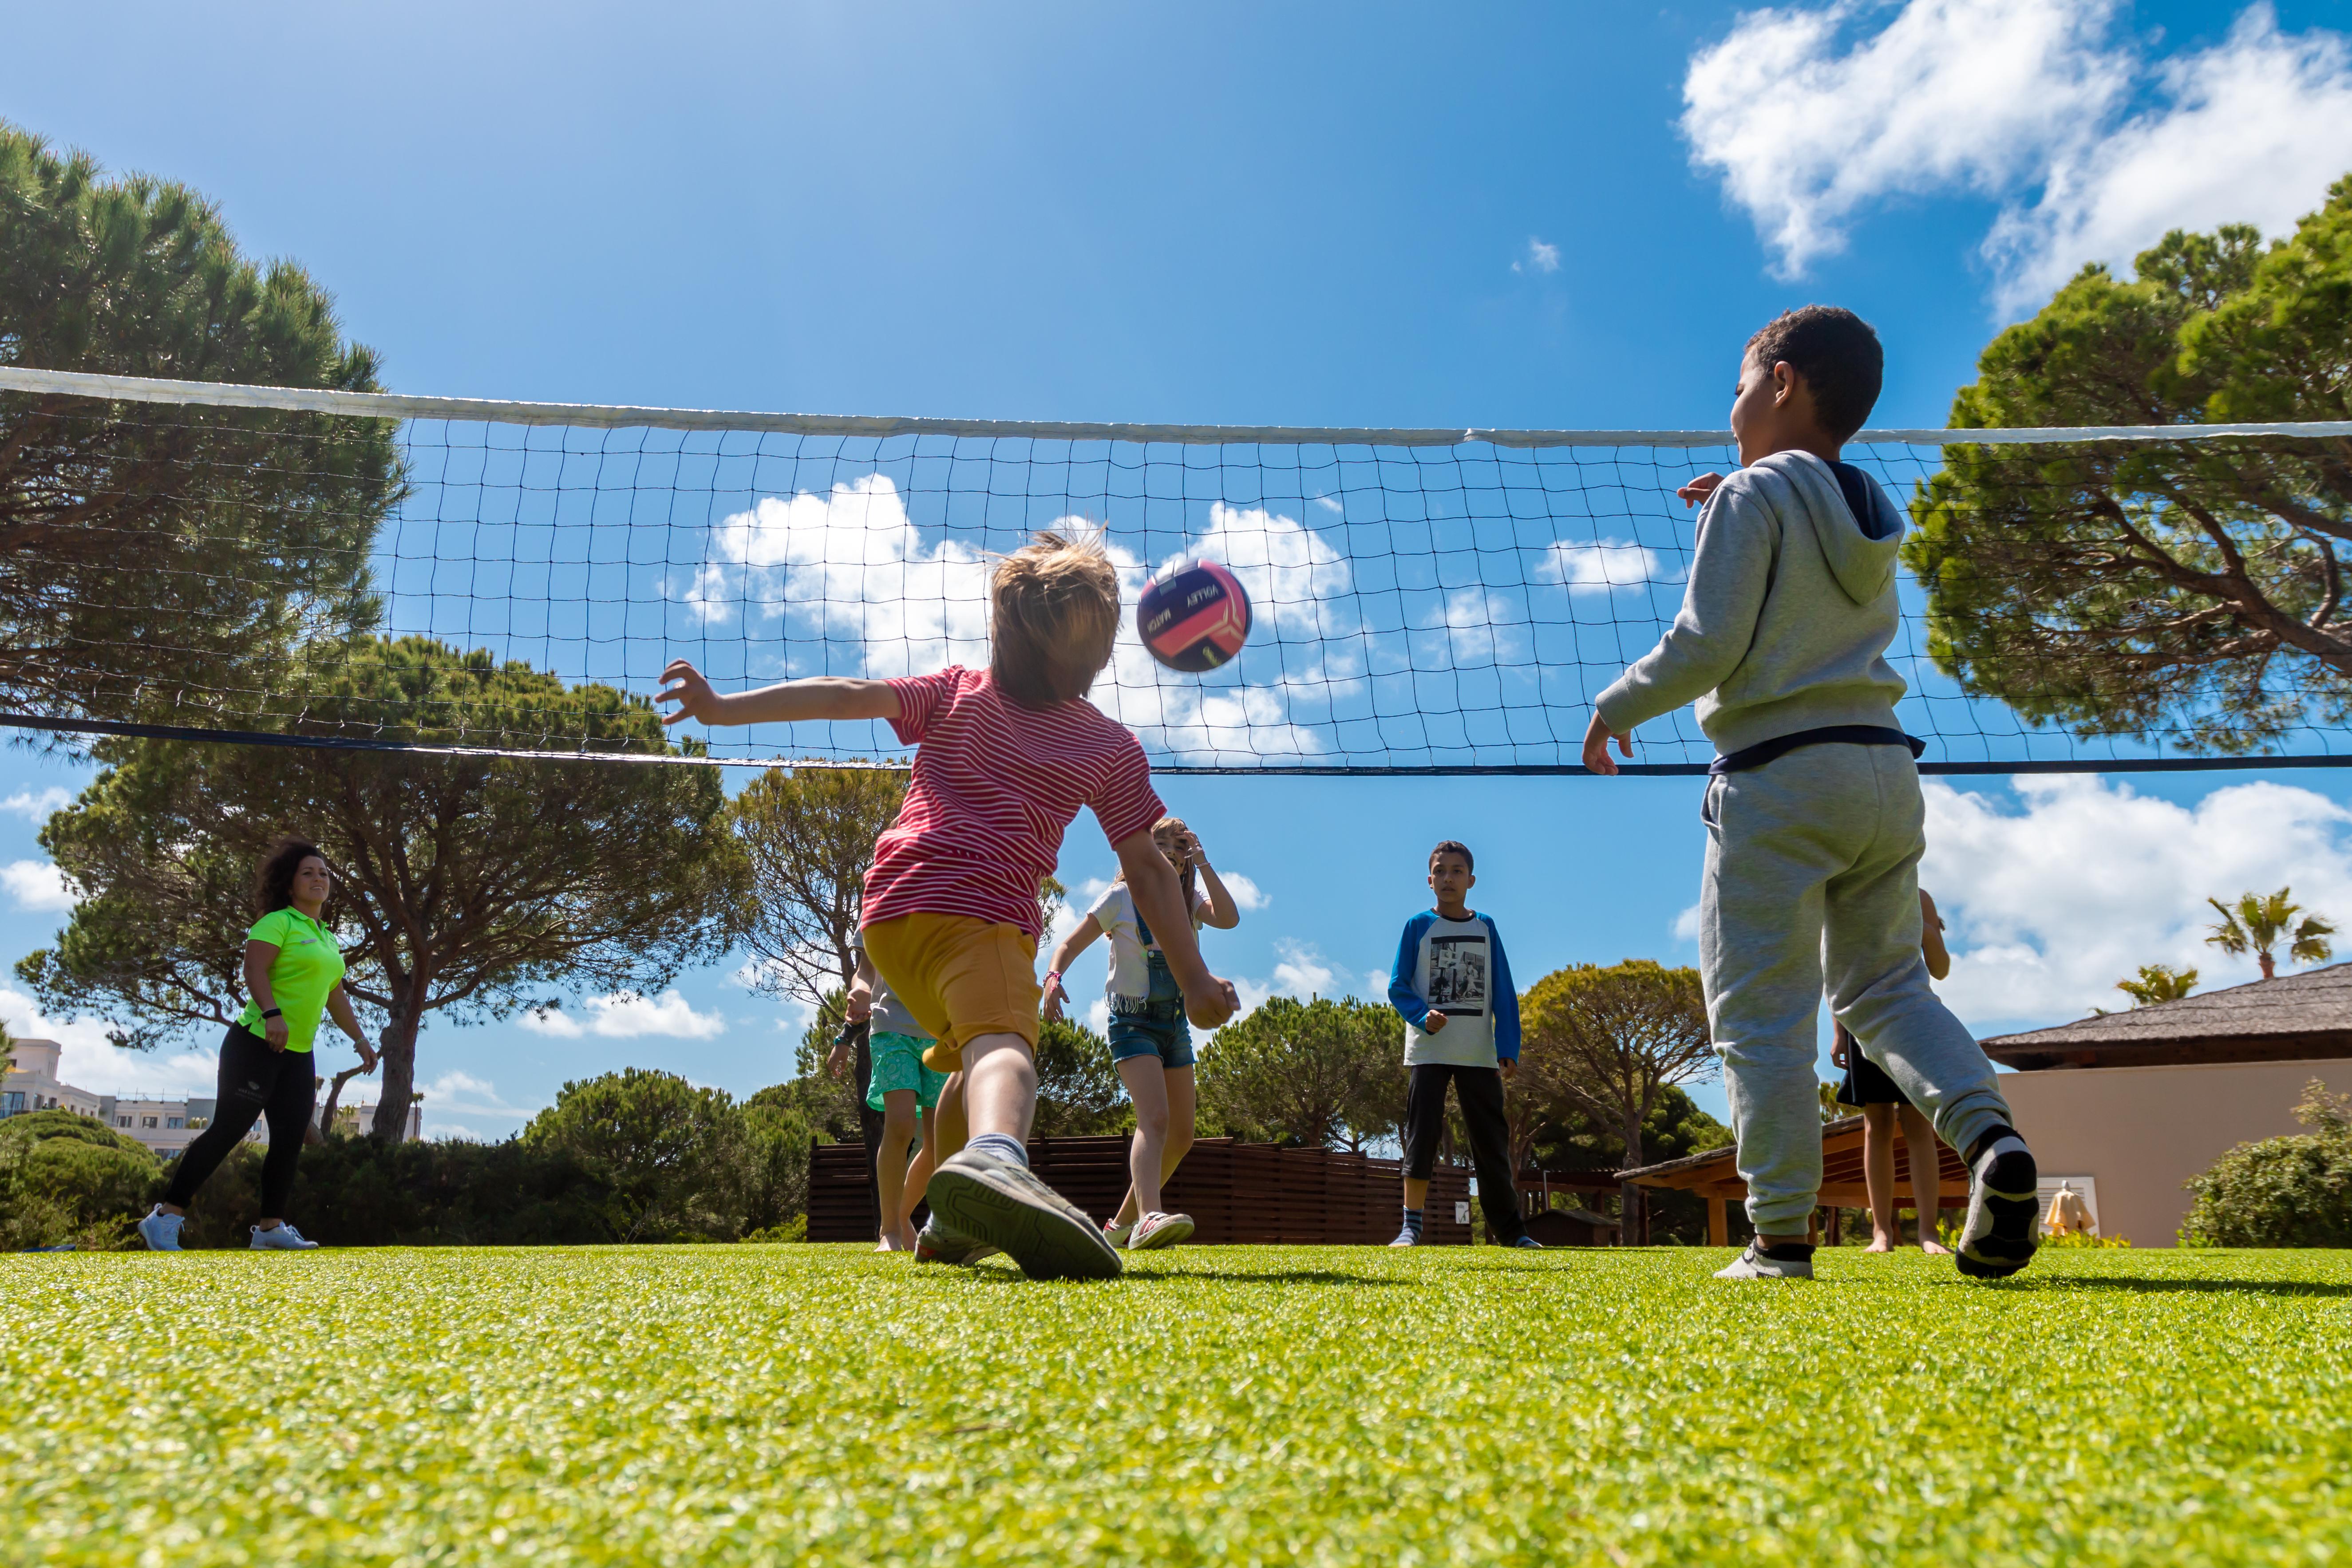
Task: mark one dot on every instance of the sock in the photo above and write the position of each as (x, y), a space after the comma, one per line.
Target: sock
(1990, 1136)
(1788, 1251)
(999, 1146)
(1413, 1221)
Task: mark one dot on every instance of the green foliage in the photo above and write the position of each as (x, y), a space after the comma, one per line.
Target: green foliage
(2294, 1191)
(1078, 1089)
(2158, 983)
(117, 521)
(1319, 1074)
(1572, 1140)
(808, 836)
(1445, 1406)
(674, 1160)
(67, 1179)
(470, 884)
(2259, 925)
(2125, 588)
(359, 1192)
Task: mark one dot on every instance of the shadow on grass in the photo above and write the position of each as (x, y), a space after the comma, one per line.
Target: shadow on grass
(1178, 1276)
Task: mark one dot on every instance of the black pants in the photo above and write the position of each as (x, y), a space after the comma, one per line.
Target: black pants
(869, 1121)
(254, 1082)
(1480, 1091)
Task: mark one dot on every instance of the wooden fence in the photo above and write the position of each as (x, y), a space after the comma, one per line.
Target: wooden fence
(1234, 1191)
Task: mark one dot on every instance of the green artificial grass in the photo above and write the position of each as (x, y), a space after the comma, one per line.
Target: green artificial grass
(1262, 1405)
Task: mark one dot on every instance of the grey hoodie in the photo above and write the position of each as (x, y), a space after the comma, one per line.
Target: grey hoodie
(1786, 616)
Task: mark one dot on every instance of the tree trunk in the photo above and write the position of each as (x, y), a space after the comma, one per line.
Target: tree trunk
(399, 1042)
(2269, 964)
(1634, 1216)
(334, 1093)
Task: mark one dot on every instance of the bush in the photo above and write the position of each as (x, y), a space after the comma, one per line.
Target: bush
(357, 1192)
(2294, 1191)
(67, 1179)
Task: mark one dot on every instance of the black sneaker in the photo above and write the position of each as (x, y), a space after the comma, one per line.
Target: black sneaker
(1000, 1204)
(2003, 1202)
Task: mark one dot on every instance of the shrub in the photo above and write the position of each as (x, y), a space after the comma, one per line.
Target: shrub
(2294, 1191)
(65, 1178)
(357, 1192)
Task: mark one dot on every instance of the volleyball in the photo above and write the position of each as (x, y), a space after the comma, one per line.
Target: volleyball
(1195, 617)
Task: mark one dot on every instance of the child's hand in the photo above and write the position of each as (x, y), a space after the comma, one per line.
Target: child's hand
(1837, 1052)
(1510, 1066)
(1597, 736)
(685, 685)
(837, 1057)
(1699, 489)
(1213, 1008)
(1435, 1023)
(1054, 997)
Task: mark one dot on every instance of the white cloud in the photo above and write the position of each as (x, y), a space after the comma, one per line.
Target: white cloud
(2054, 898)
(1811, 113)
(1301, 971)
(1605, 566)
(37, 885)
(465, 1095)
(1246, 893)
(2253, 130)
(38, 808)
(1540, 257)
(1330, 503)
(1686, 925)
(626, 1014)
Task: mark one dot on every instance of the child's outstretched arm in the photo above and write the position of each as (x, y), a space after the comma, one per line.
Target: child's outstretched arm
(1159, 896)
(818, 697)
(1223, 913)
(1066, 953)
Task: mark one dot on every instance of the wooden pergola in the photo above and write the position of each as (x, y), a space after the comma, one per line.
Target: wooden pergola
(1714, 1176)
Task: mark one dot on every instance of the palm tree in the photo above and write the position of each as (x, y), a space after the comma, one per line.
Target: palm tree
(2158, 983)
(2259, 925)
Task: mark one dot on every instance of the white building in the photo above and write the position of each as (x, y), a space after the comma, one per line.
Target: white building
(32, 1082)
(164, 1123)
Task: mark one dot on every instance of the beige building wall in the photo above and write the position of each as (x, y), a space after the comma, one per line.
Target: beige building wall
(2143, 1131)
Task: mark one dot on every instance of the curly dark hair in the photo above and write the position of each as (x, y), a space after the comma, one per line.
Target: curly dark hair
(1836, 352)
(273, 881)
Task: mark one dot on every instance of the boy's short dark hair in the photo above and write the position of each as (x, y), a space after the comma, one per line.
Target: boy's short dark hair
(1453, 846)
(1836, 352)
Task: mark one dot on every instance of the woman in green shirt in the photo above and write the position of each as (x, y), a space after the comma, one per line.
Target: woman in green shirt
(294, 975)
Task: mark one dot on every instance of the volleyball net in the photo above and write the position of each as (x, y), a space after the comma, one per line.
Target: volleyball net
(287, 566)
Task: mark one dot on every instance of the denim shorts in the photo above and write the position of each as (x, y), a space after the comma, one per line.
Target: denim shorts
(1157, 1031)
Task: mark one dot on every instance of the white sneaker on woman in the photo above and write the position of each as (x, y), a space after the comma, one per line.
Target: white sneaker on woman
(281, 1237)
(161, 1231)
(1158, 1229)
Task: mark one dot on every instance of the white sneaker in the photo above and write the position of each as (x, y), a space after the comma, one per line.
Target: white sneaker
(1998, 1237)
(282, 1238)
(1753, 1265)
(1158, 1229)
(1116, 1233)
(161, 1231)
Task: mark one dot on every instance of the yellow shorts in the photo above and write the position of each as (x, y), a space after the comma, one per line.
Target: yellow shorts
(962, 977)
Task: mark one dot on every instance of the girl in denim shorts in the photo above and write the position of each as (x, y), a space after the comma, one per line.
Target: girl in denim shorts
(1148, 1037)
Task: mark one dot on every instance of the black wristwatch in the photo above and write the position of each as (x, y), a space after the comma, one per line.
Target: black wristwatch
(271, 1012)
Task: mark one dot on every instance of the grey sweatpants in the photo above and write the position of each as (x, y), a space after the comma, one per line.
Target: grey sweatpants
(1813, 874)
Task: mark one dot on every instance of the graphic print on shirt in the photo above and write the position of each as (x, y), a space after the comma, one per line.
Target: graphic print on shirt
(1457, 974)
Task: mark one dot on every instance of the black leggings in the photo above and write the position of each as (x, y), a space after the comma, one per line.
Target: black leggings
(1480, 1091)
(254, 1082)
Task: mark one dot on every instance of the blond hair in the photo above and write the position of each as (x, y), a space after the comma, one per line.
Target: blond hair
(1055, 615)
(1191, 873)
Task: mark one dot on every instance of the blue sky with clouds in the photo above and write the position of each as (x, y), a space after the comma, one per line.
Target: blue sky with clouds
(1530, 216)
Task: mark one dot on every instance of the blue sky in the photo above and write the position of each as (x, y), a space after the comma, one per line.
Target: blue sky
(1297, 214)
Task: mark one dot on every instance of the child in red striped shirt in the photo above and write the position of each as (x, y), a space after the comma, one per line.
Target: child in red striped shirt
(1004, 759)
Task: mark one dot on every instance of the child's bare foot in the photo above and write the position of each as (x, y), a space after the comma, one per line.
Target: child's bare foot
(1935, 1248)
(1880, 1242)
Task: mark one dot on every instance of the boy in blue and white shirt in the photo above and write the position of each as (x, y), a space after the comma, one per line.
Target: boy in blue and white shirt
(1453, 984)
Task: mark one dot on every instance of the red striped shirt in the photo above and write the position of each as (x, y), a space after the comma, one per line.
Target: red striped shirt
(994, 786)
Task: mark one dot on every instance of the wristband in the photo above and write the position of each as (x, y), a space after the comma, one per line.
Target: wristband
(1053, 977)
(272, 1013)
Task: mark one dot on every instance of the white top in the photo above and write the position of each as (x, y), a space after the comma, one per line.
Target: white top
(1130, 969)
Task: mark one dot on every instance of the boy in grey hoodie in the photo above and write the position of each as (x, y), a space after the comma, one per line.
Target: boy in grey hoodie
(1813, 814)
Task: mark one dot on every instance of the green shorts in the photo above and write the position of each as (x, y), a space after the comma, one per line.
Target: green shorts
(898, 1064)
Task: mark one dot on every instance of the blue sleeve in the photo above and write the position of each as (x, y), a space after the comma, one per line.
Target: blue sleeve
(1507, 999)
(1402, 995)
